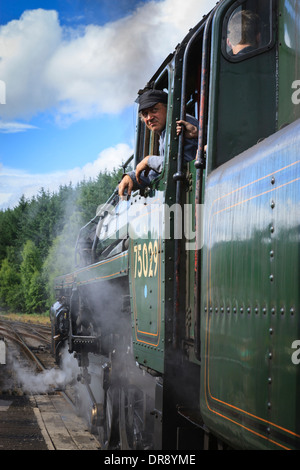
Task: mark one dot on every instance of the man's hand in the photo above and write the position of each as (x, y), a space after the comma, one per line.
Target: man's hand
(142, 167)
(126, 184)
(190, 131)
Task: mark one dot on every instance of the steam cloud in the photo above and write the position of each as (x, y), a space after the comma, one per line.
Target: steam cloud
(49, 380)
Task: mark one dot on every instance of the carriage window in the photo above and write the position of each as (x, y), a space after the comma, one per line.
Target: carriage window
(247, 29)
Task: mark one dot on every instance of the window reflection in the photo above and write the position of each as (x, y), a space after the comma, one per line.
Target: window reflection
(244, 32)
(248, 29)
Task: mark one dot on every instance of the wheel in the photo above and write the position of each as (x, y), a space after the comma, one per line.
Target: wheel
(132, 418)
(108, 423)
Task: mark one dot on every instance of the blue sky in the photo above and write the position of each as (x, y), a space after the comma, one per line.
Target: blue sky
(71, 70)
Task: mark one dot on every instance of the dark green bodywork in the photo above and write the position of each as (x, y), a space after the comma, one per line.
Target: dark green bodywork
(250, 279)
(250, 310)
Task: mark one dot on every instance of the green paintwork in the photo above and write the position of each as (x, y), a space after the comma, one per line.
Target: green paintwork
(147, 276)
(242, 97)
(251, 295)
(250, 289)
(289, 62)
(109, 269)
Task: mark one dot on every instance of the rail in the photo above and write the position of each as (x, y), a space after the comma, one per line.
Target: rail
(56, 412)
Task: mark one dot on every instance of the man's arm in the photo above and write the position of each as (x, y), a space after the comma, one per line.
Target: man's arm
(190, 127)
(150, 167)
(125, 186)
(190, 130)
(146, 171)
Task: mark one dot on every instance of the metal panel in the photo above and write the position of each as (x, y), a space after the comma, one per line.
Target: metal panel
(250, 315)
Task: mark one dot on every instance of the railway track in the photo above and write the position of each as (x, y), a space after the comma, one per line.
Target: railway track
(32, 372)
(29, 339)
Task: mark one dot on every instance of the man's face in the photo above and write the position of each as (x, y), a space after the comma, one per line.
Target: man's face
(155, 118)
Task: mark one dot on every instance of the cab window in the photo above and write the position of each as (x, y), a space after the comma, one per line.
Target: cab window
(244, 82)
(247, 30)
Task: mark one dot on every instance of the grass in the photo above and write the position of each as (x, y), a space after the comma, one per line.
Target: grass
(41, 319)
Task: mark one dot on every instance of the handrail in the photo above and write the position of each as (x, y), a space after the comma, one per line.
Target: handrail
(200, 166)
(178, 178)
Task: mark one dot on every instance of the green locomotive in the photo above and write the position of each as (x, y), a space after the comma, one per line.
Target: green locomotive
(183, 312)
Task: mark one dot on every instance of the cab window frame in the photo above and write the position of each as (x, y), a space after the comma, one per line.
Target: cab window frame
(255, 52)
(148, 141)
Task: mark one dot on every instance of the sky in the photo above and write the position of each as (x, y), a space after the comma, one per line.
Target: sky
(69, 75)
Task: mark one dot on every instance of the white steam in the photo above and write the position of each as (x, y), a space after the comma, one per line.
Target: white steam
(48, 380)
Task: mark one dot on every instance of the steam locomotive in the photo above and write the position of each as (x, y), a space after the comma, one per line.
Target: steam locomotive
(183, 310)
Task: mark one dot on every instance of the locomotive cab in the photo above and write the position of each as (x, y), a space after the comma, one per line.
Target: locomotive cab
(242, 100)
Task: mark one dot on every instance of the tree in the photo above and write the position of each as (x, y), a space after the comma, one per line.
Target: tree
(38, 237)
(11, 292)
(32, 283)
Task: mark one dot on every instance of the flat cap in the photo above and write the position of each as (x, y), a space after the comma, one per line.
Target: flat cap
(151, 98)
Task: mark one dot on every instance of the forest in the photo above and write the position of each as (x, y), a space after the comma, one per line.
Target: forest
(38, 237)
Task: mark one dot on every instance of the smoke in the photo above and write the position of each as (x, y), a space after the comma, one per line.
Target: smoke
(48, 380)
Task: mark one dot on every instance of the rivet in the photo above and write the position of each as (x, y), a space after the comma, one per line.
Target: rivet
(273, 180)
(271, 331)
(272, 229)
(272, 253)
(271, 277)
(269, 380)
(272, 204)
(270, 355)
(269, 405)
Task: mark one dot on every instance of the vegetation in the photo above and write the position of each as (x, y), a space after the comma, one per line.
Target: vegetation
(37, 240)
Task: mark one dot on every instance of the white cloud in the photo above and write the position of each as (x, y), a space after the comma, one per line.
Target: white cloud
(26, 46)
(15, 183)
(86, 73)
(13, 127)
